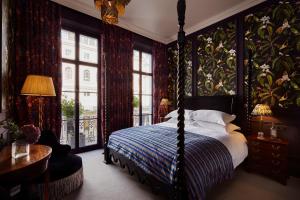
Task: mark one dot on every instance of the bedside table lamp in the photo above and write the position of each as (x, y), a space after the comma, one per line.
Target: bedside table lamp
(261, 110)
(164, 107)
(40, 86)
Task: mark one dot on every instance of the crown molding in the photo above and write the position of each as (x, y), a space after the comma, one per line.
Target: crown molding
(223, 15)
(91, 11)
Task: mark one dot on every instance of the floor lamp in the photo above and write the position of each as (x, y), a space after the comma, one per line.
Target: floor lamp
(40, 86)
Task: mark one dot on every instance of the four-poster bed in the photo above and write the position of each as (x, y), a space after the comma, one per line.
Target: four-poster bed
(173, 173)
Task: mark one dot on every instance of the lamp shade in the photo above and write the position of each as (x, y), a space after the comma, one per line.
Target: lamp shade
(164, 102)
(262, 109)
(36, 85)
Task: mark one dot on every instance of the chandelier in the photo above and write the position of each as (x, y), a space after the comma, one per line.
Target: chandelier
(111, 9)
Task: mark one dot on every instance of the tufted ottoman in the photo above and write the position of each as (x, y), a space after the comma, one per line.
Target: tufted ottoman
(65, 176)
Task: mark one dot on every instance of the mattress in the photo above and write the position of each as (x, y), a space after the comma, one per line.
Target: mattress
(235, 142)
(210, 157)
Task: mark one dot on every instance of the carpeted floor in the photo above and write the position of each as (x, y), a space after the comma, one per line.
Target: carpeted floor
(109, 182)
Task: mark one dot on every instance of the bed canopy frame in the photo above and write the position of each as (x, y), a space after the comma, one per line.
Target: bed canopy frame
(223, 103)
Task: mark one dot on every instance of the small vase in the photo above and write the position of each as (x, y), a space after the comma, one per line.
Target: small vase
(19, 148)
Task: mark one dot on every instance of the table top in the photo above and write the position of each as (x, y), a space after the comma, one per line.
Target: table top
(38, 155)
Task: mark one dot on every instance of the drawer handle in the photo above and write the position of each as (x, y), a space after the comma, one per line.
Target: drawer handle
(276, 155)
(256, 157)
(256, 150)
(275, 147)
(275, 162)
(255, 143)
(276, 171)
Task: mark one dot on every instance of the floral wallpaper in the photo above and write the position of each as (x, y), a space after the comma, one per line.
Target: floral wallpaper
(273, 35)
(172, 54)
(173, 63)
(216, 56)
(271, 31)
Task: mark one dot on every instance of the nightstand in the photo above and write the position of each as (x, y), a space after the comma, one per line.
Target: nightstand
(268, 156)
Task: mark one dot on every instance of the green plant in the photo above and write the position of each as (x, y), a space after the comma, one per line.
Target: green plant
(135, 102)
(68, 108)
(12, 130)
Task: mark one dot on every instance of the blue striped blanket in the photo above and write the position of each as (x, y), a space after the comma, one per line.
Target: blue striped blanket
(153, 148)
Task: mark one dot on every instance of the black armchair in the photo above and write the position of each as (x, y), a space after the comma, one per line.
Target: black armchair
(64, 168)
(49, 139)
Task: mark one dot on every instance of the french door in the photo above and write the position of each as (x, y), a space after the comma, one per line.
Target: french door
(142, 88)
(79, 102)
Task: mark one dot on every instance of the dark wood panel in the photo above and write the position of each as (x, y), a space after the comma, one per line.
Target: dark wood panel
(269, 157)
(222, 103)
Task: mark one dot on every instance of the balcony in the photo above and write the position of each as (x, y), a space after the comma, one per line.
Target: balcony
(88, 131)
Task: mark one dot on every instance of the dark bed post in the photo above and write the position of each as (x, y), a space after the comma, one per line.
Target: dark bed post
(107, 158)
(249, 93)
(179, 175)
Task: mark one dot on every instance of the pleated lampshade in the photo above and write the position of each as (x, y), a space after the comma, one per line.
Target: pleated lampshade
(262, 109)
(164, 102)
(36, 85)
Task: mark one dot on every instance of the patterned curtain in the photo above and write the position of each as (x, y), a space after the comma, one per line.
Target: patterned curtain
(118, 50)
(160, 77)
(35, 39)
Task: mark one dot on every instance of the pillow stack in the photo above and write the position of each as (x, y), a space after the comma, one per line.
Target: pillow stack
(211, 119)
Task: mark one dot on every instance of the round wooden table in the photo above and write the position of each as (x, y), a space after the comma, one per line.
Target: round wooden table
(24, 169)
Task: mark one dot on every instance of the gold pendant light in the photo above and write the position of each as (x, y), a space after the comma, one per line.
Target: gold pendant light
(111, 9)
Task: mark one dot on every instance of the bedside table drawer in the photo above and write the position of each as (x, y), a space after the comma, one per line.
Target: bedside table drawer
(268, 156)
(262, 160)
(267, 146)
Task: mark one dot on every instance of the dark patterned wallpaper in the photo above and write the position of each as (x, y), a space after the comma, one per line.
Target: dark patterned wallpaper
(172, 64)
(216, 56)
(273, 34)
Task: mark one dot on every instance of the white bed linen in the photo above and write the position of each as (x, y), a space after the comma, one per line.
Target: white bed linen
(235, 141)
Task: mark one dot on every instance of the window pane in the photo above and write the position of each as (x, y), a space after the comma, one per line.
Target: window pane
(136, 105)
(146, 120)
(68, 119)
(68, 77)
(88, 105)
(88, 49)
(146, 62)
(136, 120)
(68, 44)
(88, 90)
(146, 104)
(136, 60)
(87, 132)
(146, 84)
(136, 83)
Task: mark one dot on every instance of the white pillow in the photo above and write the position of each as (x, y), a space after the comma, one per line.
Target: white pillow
(229, 128)
(175, 121)
(212, 116)
(173, 114)
(232, 127)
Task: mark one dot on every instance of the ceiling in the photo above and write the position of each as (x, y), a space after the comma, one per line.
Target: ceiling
(157, 19)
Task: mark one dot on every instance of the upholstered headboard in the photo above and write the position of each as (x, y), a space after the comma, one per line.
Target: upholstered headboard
(222, 103)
